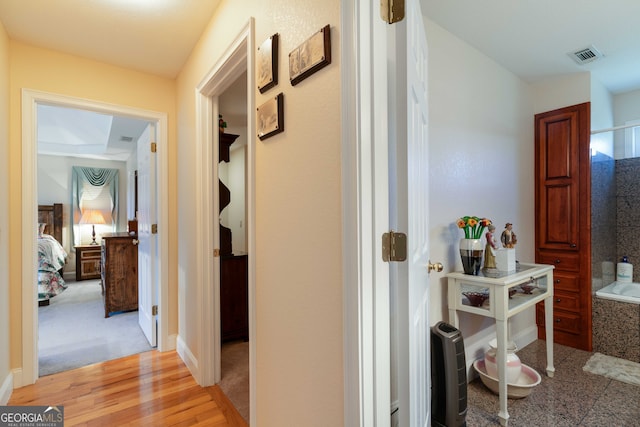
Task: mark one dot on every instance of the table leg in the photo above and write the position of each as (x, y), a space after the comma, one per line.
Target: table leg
(453, 317)
(501, 360)
(548, 327)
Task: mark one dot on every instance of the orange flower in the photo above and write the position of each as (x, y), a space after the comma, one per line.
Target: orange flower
(473, 226)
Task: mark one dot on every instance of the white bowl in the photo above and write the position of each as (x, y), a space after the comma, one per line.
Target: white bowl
(527, 380)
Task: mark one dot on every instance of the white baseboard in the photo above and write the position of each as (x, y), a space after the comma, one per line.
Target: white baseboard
(6, 389)
(170, 344)
(17, 378)
(526, 336)
(188, 358)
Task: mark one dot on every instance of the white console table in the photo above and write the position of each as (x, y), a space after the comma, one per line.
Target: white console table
(501, 307)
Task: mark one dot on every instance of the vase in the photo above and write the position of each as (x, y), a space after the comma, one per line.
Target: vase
(514, 365)
(471, 252)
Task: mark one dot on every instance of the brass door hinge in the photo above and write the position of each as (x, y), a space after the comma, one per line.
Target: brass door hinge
(216, 253)
(154, 228)
(154, 147)
(394, 247)
(154, 310)
(392, 11)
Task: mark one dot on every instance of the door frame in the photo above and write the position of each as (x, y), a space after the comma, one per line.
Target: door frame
(30, 100)
(365, 201)
(238, 57)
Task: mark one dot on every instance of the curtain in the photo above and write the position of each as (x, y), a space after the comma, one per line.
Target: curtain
(95, 188)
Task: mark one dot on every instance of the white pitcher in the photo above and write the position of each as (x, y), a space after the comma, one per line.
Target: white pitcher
(514, 365)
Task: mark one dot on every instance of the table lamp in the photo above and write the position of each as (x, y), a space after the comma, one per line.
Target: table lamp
(93, 217)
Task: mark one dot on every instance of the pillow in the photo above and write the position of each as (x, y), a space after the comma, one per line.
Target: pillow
(41, 227)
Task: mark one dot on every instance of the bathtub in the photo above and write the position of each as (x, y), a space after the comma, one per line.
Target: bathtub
(621, 291)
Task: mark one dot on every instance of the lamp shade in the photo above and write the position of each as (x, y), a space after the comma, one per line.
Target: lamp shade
(92, 216)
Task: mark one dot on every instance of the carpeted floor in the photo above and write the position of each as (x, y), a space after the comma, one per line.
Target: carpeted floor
(235, 375)
(73, 332)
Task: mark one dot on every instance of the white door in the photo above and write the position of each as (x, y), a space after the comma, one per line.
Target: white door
(413, 183)
(147, 240)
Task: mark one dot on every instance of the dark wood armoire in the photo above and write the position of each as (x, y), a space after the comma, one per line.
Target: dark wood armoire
(563, 219)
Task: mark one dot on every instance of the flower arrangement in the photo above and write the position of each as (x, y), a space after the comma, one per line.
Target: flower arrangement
(473, 226)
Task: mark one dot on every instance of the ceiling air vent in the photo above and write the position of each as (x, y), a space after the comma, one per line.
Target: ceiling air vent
(126, 138)
(586, 55)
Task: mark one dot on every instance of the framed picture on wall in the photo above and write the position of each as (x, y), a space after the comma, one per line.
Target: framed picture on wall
(268, 64)
(311, 56)
(270, 117)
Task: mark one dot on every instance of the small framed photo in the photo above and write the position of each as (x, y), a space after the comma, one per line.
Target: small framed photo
(270, 117)
(268, 64)
(310, 56)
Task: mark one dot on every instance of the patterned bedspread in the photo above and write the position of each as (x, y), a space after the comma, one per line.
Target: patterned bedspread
(51, 259)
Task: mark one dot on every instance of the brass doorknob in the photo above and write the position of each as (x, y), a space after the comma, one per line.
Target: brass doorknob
(435, 267)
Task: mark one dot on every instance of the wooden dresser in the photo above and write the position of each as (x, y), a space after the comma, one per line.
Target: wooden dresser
(87, 262)
(234, 297)
(119, 270)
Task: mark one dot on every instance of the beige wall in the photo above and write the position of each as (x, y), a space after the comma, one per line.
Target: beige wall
(298, 211)
(54, 72)
(4, 212)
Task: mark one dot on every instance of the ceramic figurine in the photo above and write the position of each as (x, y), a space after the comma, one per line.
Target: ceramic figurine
(492, 244)
(508, 237)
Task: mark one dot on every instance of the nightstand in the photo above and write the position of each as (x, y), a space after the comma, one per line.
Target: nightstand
(87, 262)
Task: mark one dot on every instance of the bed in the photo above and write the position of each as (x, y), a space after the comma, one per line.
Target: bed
(51, 254)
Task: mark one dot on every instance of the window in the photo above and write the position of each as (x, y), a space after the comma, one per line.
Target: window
(97, 189)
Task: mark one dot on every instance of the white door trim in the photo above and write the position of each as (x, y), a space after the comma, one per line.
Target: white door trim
(238, 57)
(366, 217)
(30, 100)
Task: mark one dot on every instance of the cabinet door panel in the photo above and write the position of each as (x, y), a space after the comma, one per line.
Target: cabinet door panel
(559, 138)
(561, 222)
(558, 181)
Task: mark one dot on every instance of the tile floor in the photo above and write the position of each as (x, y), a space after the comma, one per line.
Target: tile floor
(571, 398)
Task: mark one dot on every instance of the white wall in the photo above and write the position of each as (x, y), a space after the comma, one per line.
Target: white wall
(233, 175)
(626, 108)
(234, 216)
(481, 163)
(561, 91)
(601, 118)
(54, 186)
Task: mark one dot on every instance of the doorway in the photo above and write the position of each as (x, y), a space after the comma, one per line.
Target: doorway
(238, 59)
(73, 329)
(30, 101)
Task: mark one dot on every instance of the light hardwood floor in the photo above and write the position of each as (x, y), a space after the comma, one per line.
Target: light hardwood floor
(146, 389)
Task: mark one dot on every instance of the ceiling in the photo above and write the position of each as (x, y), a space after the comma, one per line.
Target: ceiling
(152, 36)
(79, 133)
(532, 38)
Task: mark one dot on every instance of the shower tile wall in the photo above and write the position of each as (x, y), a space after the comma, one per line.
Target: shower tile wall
(603, 215)
(628, 212)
